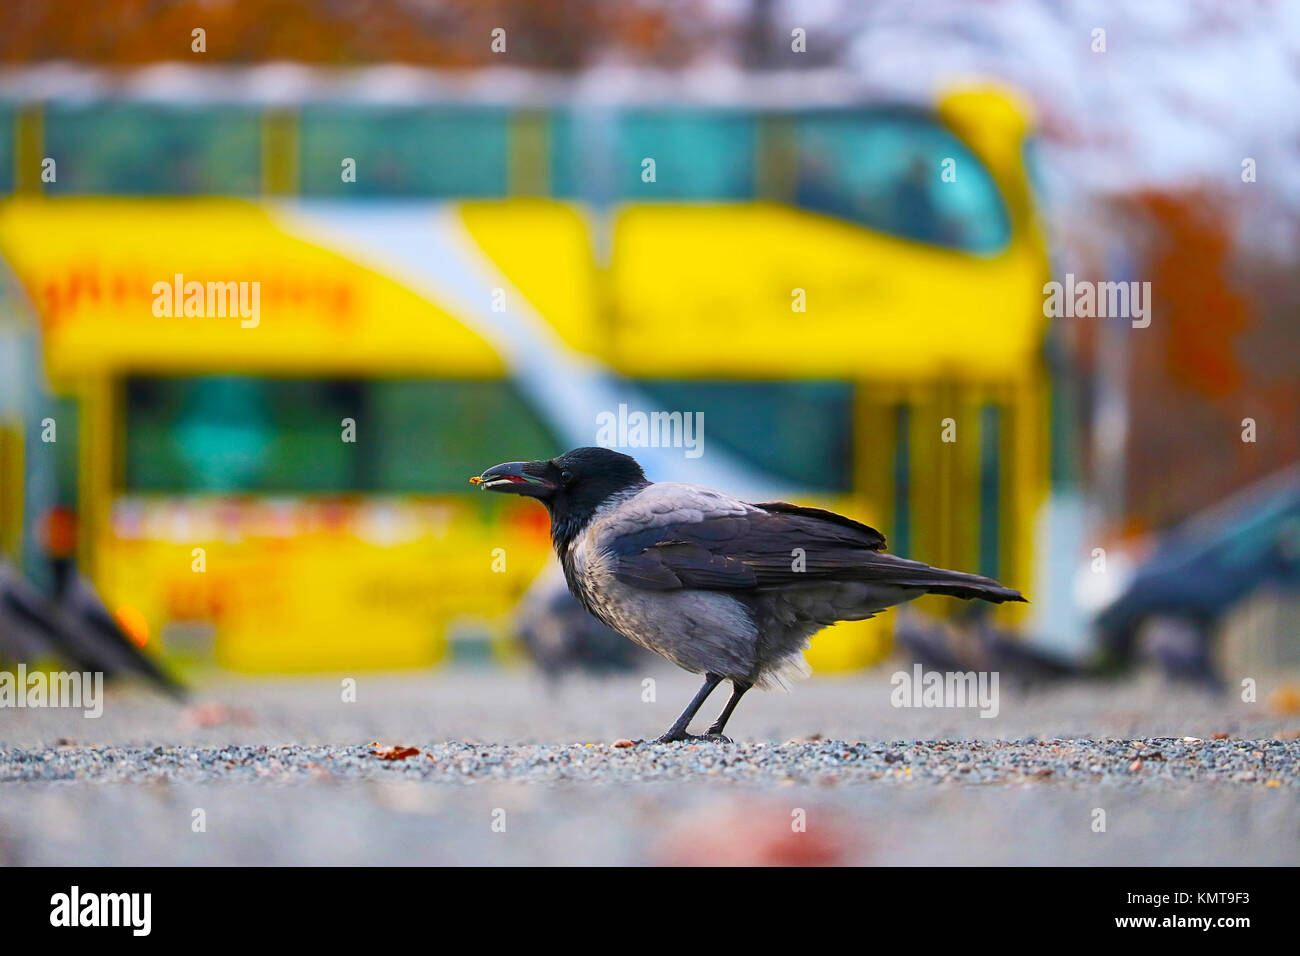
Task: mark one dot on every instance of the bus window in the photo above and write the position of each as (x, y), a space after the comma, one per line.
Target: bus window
(885, 171)
(7, 120)
(698, 154)
(900, 534)
(67, 469)
(438, 152)
(142, 150)
(229, 434)
(431, 435)
(799, 431)
(990, 489)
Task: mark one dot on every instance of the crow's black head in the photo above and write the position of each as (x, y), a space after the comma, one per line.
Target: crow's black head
(571, 486)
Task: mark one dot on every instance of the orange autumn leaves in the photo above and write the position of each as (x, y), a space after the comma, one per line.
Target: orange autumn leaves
(395, 752)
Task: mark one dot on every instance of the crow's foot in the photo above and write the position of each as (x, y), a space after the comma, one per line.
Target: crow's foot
(671, 737)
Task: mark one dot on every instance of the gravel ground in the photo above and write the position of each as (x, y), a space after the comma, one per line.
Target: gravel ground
(1155, 763)
(507, 770)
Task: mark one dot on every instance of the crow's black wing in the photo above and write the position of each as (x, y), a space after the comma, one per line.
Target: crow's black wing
(775, 546)
(673, 537)
(870, 537)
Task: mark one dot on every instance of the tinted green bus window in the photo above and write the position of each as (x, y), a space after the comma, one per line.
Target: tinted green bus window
(698, 154)
(798, 431)
(885, 171)
(66, 413)
(432, 435)
(141, 150)
(228, 434)
(8, 118)
(404, 152)
(900, 533)
(990, 488)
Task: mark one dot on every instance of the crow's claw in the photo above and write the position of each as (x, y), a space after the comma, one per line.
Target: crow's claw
(689, 738)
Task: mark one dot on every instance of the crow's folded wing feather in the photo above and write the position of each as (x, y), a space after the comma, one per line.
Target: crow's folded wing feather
(870, 537)
(682, 537)
(777, 545)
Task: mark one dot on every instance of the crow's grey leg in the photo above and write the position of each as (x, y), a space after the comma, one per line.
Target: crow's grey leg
(737, 691)
(678, 730)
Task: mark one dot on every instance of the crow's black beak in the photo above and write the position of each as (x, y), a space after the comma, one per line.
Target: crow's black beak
(517, 478)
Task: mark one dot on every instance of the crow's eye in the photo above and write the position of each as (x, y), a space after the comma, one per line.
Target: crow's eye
(566, 476)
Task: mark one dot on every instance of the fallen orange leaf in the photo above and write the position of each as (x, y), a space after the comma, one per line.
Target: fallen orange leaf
(396, 753)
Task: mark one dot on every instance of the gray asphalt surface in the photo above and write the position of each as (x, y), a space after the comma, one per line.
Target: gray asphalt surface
(505, 770)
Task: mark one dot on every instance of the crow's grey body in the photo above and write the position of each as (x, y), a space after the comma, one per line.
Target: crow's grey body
(754, 635)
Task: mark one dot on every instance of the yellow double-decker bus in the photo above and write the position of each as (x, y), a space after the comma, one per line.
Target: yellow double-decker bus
(279, 337)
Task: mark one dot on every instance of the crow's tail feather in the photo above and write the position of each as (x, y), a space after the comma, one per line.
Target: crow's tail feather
(891, 569)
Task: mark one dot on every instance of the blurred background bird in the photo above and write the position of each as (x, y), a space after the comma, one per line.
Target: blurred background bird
(71, 628)
(560, 637)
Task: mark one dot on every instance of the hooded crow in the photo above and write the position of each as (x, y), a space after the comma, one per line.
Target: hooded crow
(719, 586)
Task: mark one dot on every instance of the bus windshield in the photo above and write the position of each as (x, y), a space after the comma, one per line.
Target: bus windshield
(234, 434)
(900, 174)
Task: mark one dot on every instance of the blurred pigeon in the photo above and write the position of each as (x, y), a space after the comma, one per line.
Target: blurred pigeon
(96, 634)
(560, 636)
(971, 642)
(29, 626)
(1181, 648)
(930, 642)
(74, 626)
